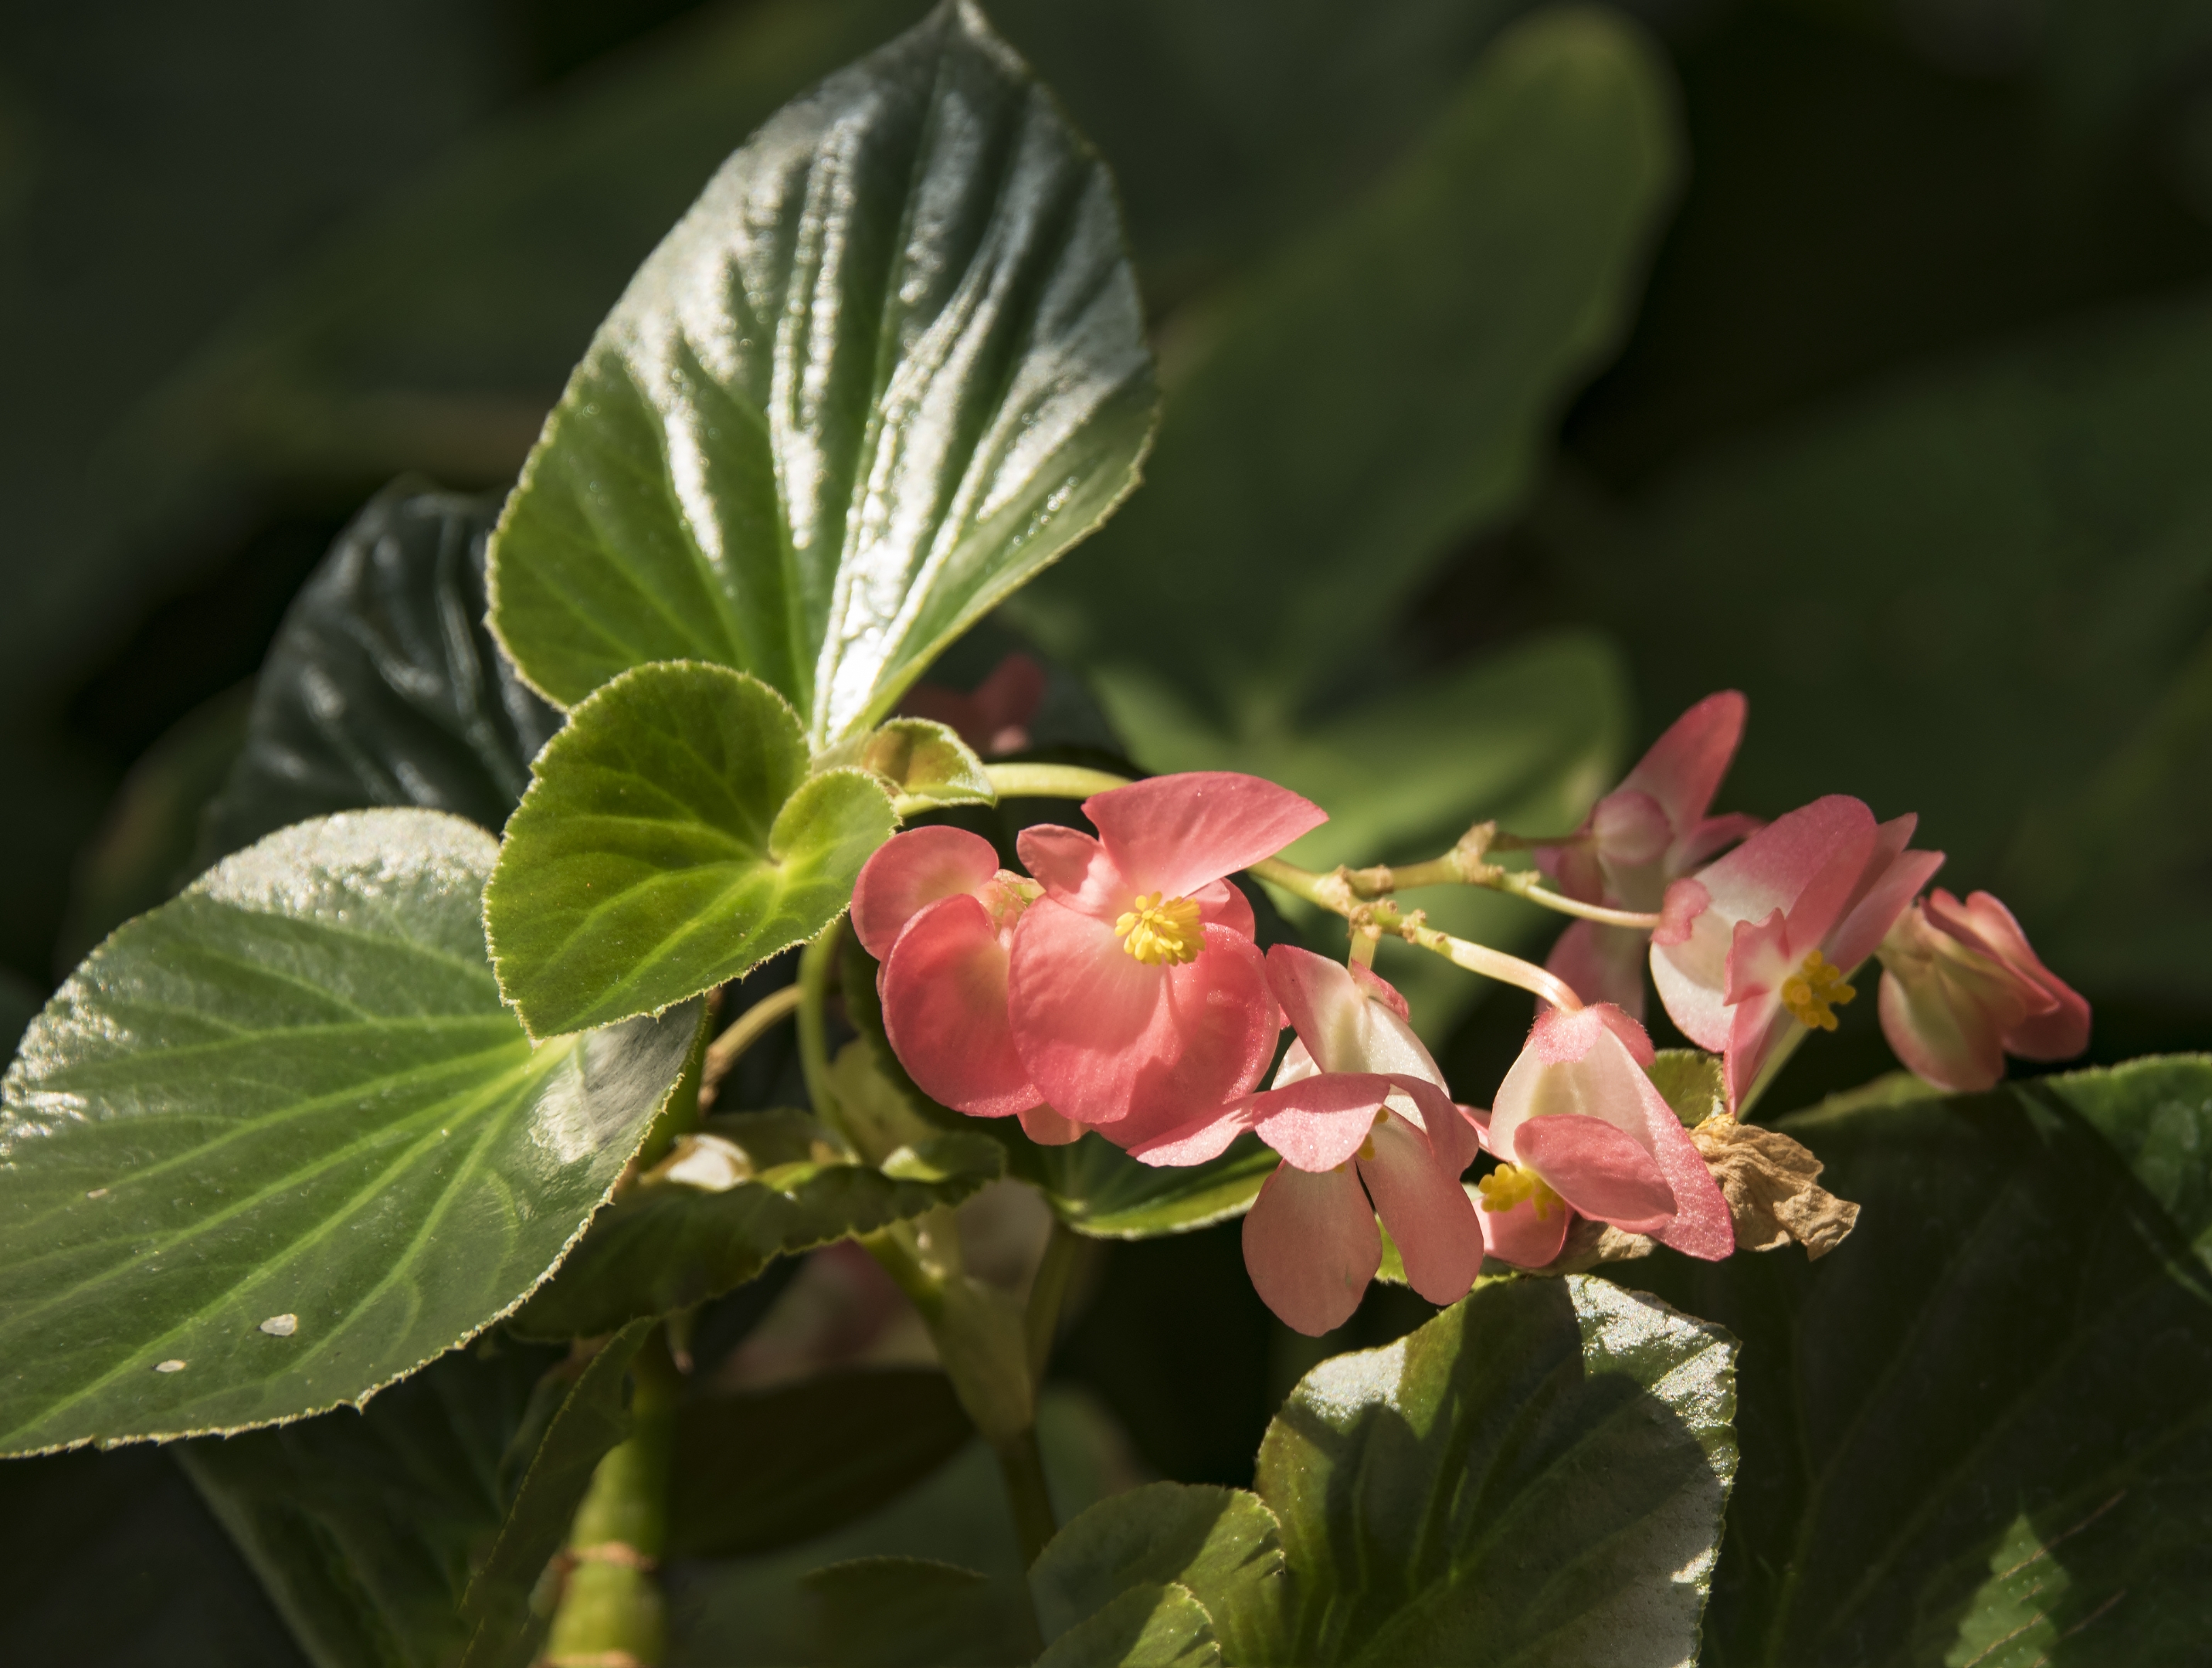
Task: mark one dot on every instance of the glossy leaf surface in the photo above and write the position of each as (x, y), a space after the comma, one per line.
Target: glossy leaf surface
(383, 686)
(292, 1095)
(671, 840)
(365, 1526)
(667, 1247)
(890, 365)
(1978, 1432)
(1536, 1476)
(767, 1469)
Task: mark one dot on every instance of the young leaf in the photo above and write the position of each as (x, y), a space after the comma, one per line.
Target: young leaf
(668, 1245)
(768, 1468)
(1220, 1545)
(927, 763)
(1978, 1432)
(363, 1525)
(671, 840)
(890, 365)
(1537, 1475)
(591, 1419)
(278, 1143)
(1145, 1627)
(1690, 1081)
(383, 686)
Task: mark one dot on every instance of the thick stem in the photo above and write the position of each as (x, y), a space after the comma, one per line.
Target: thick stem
(611, 1614)
(1021, 1463)
(816, 962)
(1047, 1291)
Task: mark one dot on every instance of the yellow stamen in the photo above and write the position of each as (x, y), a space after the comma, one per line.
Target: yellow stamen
(1814, 992)
(1162, 931)
(1509, 1183)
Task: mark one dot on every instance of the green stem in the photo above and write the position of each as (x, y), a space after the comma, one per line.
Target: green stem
(1047, 1291)
(1050, 781)
(748, 1029)
(814, 964)
(611, 1614)
(1021, 1463)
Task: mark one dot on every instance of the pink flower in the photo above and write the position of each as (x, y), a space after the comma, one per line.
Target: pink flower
(1766, 937)
(935, 908)
(1359, 1113)
(995, 717)
(1961, 989)
(1579, 1130)
(1650, 829)
(1139, 999)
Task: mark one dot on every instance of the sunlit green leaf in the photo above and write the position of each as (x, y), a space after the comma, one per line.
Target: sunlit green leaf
(1384, 384)
(279, 1143)
(770, 1468)
(927, 764)
(1536, 1476)
(668, 1245)
(1978, 1433)
(1142, 1627)
(365, 1526)
(890, 365)
(383, 688)
(671, 840)
(1691, 1082)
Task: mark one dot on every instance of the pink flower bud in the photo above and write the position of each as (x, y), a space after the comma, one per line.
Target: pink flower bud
(1961, 989)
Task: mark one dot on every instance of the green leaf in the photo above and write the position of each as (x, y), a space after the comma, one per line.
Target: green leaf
(1536, 1476)
(496, 1617)
(1691, 1080)
(1147, 1627)
(768, 1469)
(283, 1133)
(1222, 1546)
(926, 764)
(671, 840)
(383, 686)
(890, 365)
(1530, 736)
(1384, 384)
(915, 1613)
(667, 1247)
(364, 1526)
(1978, 1433)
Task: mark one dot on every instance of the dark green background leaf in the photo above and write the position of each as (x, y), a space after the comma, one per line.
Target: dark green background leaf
(1978, 1432)
(292, 1091)
(764, 1468)
(671, 840)
(890, 365)
(383, 686)
(898, 1612)
(1537, 1475)
(365, 1526)
(667, 1247)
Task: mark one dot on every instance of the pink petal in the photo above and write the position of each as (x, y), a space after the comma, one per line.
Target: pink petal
(1601, 964)
(1008, 698)
(1451, 1129)
(1695, 849)
(1520, 1237)
(1703, 1226)
(1754, 1026)
(2061, 1029)
(1685, 766)
(1806, 864)
(1634, 1037)
(1574, 1062)
(944, 1012)
(1136, 1050)
(1892, 879)
(909, 872)
(1599, 1169)
(1311, 1246)
(1298, 1066)
(1174, 833)
(1048, 1129)
(1954, 1046)
(1630, 828)
(1222, 904)
(1373, 985)
(1203, 1138)
(1319, 1122)
(1761, 956)
(1428, 1213)
(1074, 869)
(1343, 1028)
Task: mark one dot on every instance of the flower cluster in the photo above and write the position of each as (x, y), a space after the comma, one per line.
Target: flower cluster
(1117, 988)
